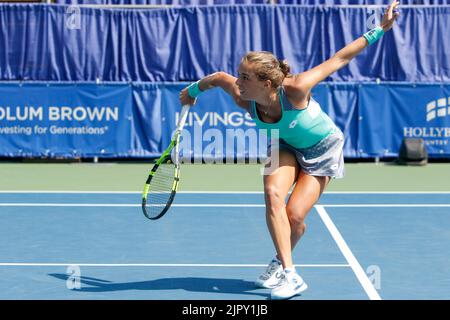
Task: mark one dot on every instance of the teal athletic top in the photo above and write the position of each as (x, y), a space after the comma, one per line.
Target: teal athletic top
(299, 128)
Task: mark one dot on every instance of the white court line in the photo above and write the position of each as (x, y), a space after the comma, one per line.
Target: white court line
(70, 191)
(68, 205)
(218, 205)
(19, 204)
(213, 192)
(19, 264)
(357, 269)
(382, 205)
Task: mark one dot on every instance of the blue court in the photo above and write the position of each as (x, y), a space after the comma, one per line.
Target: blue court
(213, 245)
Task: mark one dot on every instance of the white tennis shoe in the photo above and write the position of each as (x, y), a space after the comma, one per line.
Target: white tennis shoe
(271, 276)
(290, 285)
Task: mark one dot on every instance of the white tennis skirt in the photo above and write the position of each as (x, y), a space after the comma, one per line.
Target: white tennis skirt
(325, 158)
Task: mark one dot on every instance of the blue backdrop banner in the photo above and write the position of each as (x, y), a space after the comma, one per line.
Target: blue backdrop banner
(237, 2)
(65, 120)
(390, 113)
(217, 129)
(138, 120)
(70, 43)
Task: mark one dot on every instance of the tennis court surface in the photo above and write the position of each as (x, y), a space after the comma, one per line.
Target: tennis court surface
(212, 245)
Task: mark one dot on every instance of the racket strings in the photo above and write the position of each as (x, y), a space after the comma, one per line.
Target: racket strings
(160, 189)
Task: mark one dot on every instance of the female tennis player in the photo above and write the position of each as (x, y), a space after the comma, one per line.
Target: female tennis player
(310, 144)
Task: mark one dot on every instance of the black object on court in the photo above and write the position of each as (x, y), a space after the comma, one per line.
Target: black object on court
(413, 152)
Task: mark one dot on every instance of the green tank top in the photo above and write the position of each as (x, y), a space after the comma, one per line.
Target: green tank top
(298, 128)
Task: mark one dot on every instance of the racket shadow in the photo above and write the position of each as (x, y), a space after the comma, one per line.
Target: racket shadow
(193, 284)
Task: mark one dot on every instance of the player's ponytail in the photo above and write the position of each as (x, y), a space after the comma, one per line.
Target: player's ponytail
(285, 68)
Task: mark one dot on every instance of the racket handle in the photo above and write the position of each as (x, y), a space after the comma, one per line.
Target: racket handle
(183, 116)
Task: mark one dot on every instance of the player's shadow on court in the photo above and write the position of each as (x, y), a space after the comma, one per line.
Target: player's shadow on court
(212, 285)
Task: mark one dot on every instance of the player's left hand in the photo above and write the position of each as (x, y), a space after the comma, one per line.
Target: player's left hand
(389, 16)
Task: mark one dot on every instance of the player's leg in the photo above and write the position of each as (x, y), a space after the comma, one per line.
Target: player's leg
(276, 188)
(305, 194)
(277, 184)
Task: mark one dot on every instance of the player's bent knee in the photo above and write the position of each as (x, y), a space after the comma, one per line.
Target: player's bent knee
(272, 193)
(296, 215)
(296, 221)
(298, 224)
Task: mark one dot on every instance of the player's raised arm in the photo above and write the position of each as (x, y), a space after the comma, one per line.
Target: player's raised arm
(307, 80)
(218, 79)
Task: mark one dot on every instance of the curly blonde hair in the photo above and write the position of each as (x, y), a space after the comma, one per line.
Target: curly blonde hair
(268, 67)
